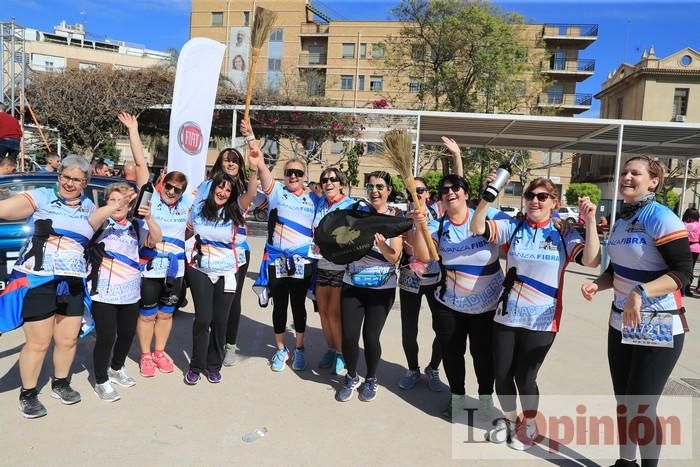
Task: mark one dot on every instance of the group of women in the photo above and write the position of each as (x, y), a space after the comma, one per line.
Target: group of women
(135, 269)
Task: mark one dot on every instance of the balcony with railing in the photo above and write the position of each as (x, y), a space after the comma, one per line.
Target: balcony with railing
(582, 35)
(577, 102)
(314, 29)
(572, 69)
(312, 60)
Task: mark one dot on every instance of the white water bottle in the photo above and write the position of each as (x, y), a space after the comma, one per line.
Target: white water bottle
(502, 175)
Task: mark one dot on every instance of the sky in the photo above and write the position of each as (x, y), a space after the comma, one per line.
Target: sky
(626, 27)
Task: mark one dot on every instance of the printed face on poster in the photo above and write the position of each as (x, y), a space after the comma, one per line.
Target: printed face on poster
(238, 56)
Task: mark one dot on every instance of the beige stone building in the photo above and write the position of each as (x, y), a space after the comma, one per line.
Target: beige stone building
(657, 89)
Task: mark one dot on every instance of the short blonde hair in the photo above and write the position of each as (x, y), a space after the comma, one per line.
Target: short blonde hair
(123, 188)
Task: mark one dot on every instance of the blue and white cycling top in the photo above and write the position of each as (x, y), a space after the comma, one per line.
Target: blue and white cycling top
(540, 256)
(636, 259)
(372, 270)
(473, 277)
(62, 233)
(172, 222)
(119, 277)
(322, 209)
(216, 243)
(295, 216)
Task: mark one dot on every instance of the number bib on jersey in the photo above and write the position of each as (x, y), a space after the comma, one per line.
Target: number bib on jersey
(409, 281)
(240, 256)
(654, 330)
(68, 263)
(282, 271)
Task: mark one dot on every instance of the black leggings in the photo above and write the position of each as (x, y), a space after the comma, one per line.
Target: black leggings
(639, 374)
(518, 354)
(452, 329)
(695, 260)
(410, 308)
(112, 323)
(211, 309)
(285, 290)
(234, 317)
(372, 306)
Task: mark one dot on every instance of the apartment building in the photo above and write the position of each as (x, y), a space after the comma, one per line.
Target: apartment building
(656, 89)
(311, 53)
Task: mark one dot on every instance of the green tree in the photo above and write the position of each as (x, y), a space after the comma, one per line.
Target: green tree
(399, 185)
(432, 178)
(108, 151)
(577, 190)
(349, 164)
(668, 197)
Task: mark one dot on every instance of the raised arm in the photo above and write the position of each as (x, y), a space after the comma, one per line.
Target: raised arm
(155, 235)
(414, 237)
(591, 252)
(453, 147)
(100, 215)
(254, 158)
(264, 173)
(132, 124)
(16, 208)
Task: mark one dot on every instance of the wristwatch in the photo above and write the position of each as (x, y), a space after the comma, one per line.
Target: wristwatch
(639, 288)
(250, 138)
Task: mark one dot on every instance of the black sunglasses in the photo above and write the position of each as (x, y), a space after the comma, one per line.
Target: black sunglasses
(541, 196)
(325, 180)
(177, 190)
(294, 172)
(446, 189)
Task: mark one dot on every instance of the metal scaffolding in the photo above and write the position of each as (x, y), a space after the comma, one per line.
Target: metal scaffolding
(14, 65)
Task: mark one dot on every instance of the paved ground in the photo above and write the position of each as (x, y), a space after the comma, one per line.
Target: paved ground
(163, 422)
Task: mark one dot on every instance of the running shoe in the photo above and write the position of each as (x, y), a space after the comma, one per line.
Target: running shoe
(106, 392)
(231, 358)
(163, 362)
(501, 432)
(339, 365)
(327, 359)
(454, 406)
(31, 407)
(410, 380)
(214, 376)
(368, 391)
(344, 394)
(147, 367)
(120, 377)
(298, 361)
(625, 463)
(279, 359)
(192, 377)
(525, 435)
(433, 376)
(65, 393)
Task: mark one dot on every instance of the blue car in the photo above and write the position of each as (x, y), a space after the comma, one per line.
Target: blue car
(14, 233)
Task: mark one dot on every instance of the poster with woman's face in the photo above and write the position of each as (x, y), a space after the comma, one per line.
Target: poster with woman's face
(238, 56)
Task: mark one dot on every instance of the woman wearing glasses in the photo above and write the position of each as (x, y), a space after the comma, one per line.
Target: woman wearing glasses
(529, 311)
(51, 270)
(329, 276)
(369, 291)
(650, 263)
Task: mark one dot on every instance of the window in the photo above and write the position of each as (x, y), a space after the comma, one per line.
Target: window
(514, 189)
(246, 18)
(274, 64)
(217, 18)
(361, 83)
(557, 61)
(363, 50)
(87, 66)
(378, 51)
(680, 101)
(374, 149)
(276, 35)
(620, 107)
(348, 50)
(417, 52)
(414, 86)
(48, 66)
(375, 83)
(346, 82)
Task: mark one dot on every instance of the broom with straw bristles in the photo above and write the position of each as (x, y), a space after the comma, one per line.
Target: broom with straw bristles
(262, 23)
(398, 151)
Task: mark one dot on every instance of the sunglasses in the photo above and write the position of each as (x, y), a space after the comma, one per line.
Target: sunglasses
(420, 190)
(177, 190)
(446, 189)
(325, 180)
(376, 186)
(541, 196)
(294, 173)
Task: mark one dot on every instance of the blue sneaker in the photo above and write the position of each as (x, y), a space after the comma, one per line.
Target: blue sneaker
(327, 359)
(368, 391)
(299, 361)
(338, 365)
(279, 359)
(344, 394)
(192, 377)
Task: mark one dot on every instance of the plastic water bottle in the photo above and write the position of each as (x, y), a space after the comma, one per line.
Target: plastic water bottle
(502, 175)
(254, 435)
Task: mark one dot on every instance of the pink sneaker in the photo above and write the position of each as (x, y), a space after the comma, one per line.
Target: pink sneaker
(163, 362)
(147, 366)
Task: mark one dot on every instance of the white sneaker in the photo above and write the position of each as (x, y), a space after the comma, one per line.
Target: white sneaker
(502, 431)
(121, 377)
(524, 436)
(106, 392)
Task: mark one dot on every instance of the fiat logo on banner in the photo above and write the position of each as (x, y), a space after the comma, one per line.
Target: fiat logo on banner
(190, 138)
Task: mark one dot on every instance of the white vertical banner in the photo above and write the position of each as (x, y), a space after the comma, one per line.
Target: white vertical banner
(194, 96)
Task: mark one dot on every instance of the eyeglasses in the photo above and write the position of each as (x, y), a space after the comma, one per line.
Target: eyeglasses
(446, 189)
(325, 180)
(294, 173)
(376, 186)
(541, 196)
(66, 179)
(177, 190)
(420, 190)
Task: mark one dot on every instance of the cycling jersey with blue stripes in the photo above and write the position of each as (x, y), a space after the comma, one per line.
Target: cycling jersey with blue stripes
(60, 233)
(172, 222)
(322, 209)
(215, 242)
(636, 259)
(540, 256)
